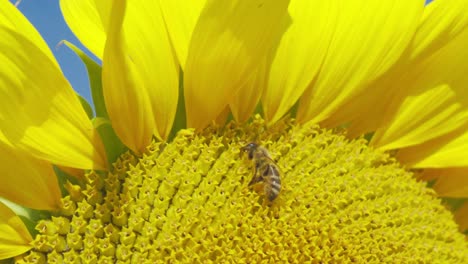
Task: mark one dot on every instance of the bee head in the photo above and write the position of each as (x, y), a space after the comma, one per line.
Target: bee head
(250, 149)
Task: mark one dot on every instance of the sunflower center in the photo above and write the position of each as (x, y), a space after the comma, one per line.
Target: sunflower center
(189, 201)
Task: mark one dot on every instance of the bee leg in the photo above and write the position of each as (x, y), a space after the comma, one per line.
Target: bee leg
(255, 180)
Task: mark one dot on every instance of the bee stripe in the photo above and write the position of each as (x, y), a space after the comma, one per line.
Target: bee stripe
(272, 194)
(276, 184)
(275, 171)
(271, 170)
(276, 191)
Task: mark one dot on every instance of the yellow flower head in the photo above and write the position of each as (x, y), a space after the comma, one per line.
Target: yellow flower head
(325, 87)
(188, 201)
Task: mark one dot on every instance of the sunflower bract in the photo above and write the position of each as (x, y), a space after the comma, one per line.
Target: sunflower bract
(188, 201)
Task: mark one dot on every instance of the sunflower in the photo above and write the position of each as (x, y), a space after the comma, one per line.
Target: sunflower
(354, 101)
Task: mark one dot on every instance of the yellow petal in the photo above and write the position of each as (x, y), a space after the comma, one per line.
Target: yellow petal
(450, 182)
(299, 55)
(437, 101)
(367, 39)
(222, 118)
(73, 172)
(228, 43)
(140, 74)
(39, 111)
(26, 180)
(247, 97)
(449, 150)
(180, 17)
(14, 236)
(88, 19)
(442, 22)
(12, 19)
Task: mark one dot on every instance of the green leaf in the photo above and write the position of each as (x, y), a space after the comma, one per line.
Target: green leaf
(454, 203)
(114, 147)
(87, 107)
(180, 118)
(7, 261)
(94, 73)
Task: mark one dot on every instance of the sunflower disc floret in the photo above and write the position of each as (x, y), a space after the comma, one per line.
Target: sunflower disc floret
(188, 201)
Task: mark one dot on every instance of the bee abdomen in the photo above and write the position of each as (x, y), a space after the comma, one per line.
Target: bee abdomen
(273, 189)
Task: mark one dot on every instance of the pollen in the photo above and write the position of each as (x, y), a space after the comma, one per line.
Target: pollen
(188, 201)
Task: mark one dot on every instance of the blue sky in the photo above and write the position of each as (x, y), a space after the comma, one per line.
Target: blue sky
(45, 15)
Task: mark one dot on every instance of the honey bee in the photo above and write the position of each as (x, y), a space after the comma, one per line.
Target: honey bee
(266, 171)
